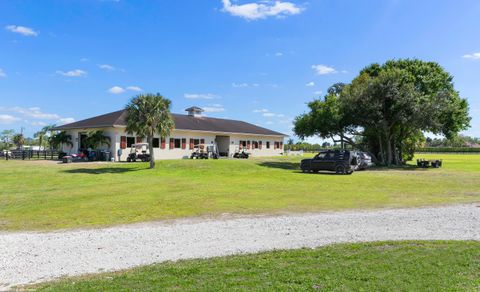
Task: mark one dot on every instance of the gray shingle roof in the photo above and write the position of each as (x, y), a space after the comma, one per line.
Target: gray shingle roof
(182, 122)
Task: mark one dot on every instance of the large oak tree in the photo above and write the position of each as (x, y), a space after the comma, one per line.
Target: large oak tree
(387, 108)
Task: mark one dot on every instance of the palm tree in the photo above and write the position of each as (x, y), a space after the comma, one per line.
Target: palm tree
(40, 135)
(148, 114)
(61, 138)
(96, 139)
(49, 132)
(19, 140)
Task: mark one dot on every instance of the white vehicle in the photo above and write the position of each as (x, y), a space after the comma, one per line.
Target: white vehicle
(139, 151)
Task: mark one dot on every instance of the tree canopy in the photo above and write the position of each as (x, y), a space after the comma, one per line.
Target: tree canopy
(387, 108)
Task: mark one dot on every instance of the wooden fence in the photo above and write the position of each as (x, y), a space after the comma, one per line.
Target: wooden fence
(30, 154)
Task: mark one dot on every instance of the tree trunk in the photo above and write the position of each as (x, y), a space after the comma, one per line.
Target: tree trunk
(150, 149)
(382, 156)
(395, 152)
(388, 145)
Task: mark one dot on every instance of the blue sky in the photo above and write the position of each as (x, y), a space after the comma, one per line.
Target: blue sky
(258, 61)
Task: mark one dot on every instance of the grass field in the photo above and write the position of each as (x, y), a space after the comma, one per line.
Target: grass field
(44, 196)
(383, 266)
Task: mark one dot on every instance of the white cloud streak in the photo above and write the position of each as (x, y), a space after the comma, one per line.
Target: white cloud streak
(32, 113)
(2, 73)
(116, 90)
(323, 70)
(107, 67)
(214, 108)
(72, 73)
(261, 10)
(473, 56)
(309, 84)
(134, 88)
(200, 96)
(119, 89)
(23, 30)
(8, 119)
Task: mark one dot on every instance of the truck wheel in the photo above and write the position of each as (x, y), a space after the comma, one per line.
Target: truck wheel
(340, 169)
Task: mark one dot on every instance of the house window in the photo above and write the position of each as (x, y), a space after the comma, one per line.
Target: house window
(278, 145)
(268, 144)
(130, 141)
(194, 142)
(255, 145)
(177, 143)
(243, 144)
(156, 143)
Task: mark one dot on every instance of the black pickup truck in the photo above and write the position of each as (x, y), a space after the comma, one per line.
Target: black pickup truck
(339, 161)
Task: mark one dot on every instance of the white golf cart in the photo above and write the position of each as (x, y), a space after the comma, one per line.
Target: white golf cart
(139, 151)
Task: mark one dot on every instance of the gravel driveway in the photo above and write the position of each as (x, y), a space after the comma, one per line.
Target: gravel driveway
(28, 257)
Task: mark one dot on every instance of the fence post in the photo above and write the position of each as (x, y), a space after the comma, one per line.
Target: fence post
(52, 154)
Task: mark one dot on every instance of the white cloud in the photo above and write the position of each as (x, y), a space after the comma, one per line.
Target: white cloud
(238, 85)
(23, 30)
(64, 121)
(241, 85)
(84, 60)
(268, 114)
(269, 123)
(310, 84)
(473, 56)
(279, 54)
(2, 73)
(72, 73)
(200, 96)
(323, 70)
(33, 112)
(38, 124)
(319, 92)
(116, 90)
(8, 119)
(261, 10)
(31, 115)
(134, 88)
(119, 89)
(107, 67)
(214, 108)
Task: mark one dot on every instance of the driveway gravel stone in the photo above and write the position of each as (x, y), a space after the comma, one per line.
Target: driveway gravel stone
(31, 257)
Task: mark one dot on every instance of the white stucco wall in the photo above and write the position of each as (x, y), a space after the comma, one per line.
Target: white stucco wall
(167, 153)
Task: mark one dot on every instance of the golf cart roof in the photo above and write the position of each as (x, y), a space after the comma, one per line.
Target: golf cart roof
(139, 145)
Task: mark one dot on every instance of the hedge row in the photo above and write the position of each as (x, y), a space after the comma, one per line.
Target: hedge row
(449, 150)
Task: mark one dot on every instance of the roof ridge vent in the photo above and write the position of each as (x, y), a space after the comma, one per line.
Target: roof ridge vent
(194, 111)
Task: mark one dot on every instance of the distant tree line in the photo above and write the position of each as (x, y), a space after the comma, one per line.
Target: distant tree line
(49, 139)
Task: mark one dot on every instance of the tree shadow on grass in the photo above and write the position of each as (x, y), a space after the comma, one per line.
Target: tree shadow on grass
(281, 165)
(408, 167)
(103, 170)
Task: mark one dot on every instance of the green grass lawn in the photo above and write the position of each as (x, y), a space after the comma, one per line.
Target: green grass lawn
(44, 196)
(383, 266)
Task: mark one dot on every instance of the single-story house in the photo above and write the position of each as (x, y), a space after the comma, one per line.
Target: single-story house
(191, 129)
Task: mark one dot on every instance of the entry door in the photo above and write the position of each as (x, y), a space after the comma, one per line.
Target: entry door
(81, 143)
